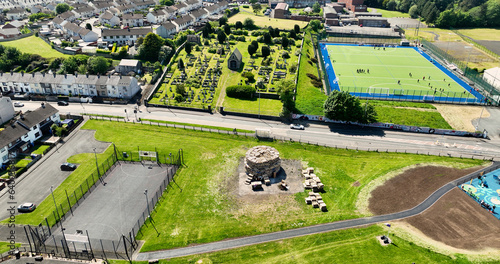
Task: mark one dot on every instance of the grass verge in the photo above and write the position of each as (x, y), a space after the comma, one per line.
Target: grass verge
(196, 125)
(34, 45)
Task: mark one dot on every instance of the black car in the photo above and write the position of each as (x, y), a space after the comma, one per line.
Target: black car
(63, 103)
(68, 166)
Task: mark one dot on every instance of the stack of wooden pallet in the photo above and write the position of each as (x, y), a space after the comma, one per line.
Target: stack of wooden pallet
(316, 201)
(312, 181)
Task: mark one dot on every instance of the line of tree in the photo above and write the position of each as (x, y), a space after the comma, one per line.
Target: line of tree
(447, 13)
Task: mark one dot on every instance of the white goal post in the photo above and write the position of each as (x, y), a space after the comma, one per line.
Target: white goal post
(148, 155)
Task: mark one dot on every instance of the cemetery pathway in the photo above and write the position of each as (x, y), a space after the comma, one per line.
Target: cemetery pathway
(322, 228)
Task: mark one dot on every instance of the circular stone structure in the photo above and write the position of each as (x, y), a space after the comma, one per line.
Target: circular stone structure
(262, 161)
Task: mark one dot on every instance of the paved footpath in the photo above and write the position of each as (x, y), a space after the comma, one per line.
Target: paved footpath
(251, 240)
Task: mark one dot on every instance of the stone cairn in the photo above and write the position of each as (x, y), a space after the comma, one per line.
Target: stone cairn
(262, 162)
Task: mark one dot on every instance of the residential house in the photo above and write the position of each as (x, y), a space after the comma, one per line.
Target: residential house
(171, 12)
(124, 36)
(88, 35)
(102, 6)
(58, 22)
(133, 20)
(16, 13)
(15, 24)
(143, 4)
(166, 29)
(183, 22)
(68, 15)
(157, 17)
(71, 29)
(7, 33)
(110, 19)
(182, 8)
(68, 84)
(7, 111)
(280, 11)
(199, 14)
(51, 6)
(127, 66)
(23, 132)
(194, 4)
(84, 12)
(223, 5)
(125, 9)
(37, 9)
(212, 9)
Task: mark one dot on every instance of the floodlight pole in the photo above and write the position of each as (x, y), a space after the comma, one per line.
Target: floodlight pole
(96, 164)
(55, 204)
(468, 57)
(147, 202)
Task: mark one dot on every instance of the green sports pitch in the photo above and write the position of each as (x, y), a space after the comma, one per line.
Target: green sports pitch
(405, 73)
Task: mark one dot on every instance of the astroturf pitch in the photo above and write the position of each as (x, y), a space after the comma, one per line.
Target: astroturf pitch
(400, 71)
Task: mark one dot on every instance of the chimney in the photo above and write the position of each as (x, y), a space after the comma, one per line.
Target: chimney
(65, 76)
(11, 72)
(33, 74)
(76, 74)
(22, 73)
(87, 75)
(43, 74)
(54, 75)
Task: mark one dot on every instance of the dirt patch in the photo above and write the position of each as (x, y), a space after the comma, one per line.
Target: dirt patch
(458, 221)
(412, 187)
(460, 117)
(356, 184)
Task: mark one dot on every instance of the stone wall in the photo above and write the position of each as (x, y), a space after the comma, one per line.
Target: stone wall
(262, 161)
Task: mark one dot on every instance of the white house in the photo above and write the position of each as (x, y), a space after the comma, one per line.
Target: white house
(58, 22)
(183, 22)
(492, 76)
(166, 30)
(101, 6)
(194, 4)
(84, 12)
(88, 35)
(72, 29)
(133, 20)
(157, 17)
(68, 15)
(21, 133)
(182, 8)
(124, 36)
(109, 18)
(16, 13)
(199, 14)
(7, 111)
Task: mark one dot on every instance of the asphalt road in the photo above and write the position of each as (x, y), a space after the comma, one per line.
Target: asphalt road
(251, 240)
(34, 185)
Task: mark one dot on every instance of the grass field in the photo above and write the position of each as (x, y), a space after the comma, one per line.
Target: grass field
(389, 72)
(34, 45)
(482, 33)
(388, 13)
(357, 245)
(195, 214)
(265, 21)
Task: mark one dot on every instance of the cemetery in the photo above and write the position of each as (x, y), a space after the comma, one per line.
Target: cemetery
(198, 79)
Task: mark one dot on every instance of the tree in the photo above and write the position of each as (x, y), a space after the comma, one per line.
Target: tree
(292, 35)
(88, 26)
(284, 42)
(266, 51)
(221, 37)
(180, 64)
(315, 24)
(97, 65)
(188, 47)
(256, 8)
(208, 26)
(61, 8)
(139, 41)
(296, 28)
(248, 23)
(253, 1)
(227, 29)
(150, 48)
(223, 21)
(316, 8)
(267, 39)
(252, 49)
(205, 32)
(285, 91)
(238, 25)
(413, 11)
(69, 65)
(180, 89)
(165, 53)
(167, 2)
(256, 44)
(391, 5)
(345, 107)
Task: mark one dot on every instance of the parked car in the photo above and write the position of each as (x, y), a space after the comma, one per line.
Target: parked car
(297, 126)
(63, 103)
(18, 104)
(26, 207)
(66, 166)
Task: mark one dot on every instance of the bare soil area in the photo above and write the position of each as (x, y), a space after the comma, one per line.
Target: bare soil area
(458, 221)
(412, 187)
(460, 117)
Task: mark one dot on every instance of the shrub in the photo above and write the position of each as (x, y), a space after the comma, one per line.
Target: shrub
(179, 98)
(206, 43)
(293, 68)
(285, 55)
(314, 60)
(245, 6)
(312, 76)
(241, 38)
(250, 76)
(317, 83)
(212, 50)
(240, 91)
(114, 48)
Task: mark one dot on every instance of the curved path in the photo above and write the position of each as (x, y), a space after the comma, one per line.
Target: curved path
(246, 241)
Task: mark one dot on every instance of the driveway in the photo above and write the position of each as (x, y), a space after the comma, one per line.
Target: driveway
(34, 185)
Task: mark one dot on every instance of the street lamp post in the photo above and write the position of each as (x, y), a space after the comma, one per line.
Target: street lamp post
(468, 57)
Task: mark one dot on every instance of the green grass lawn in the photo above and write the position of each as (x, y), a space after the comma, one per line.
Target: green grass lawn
(309, 99)
(265, 21)
(270, 107)
(34, 45)
(387, 68)
(357, 245)
(5, 246)
(482, 33)
(207, 198)
(39, 149)
(388, 13)
(195, 125)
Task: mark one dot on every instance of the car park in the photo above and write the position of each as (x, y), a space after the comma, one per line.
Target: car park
(26, 207)
(297, 126)
(18, 104)
(63, 103)
(66, 166)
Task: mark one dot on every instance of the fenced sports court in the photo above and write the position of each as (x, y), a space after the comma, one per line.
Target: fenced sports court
(107, 217)
(485, 190)
(392, 72)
